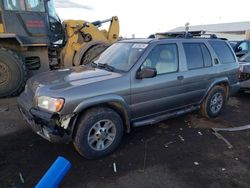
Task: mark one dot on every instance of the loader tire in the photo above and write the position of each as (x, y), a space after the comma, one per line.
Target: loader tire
(93, 52)
(13, 73)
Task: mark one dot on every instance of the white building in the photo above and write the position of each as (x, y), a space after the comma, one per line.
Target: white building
(231, 31)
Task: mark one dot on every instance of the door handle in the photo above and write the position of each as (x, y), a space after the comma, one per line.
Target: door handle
(180, 77)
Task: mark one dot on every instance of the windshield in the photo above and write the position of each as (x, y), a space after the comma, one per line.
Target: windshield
(24, 5)
(52, 10)
(121, 56)
(55, 23)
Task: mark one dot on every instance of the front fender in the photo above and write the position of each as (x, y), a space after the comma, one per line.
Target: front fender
(115, 101)
(93, 101)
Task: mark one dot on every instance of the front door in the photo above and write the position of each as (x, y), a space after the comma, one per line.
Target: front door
(150, 96)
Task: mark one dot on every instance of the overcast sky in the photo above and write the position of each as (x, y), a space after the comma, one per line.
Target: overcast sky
(146, 17)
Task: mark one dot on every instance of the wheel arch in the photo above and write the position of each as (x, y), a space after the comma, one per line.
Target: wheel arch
(113, 102)
(224, 82)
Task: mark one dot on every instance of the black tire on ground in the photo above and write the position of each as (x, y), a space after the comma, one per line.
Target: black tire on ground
(214, 103)
(93, 52)
(99, 132)
(13, 73)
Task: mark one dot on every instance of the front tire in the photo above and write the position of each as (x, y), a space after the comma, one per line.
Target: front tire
(99, 132)
(214, 103)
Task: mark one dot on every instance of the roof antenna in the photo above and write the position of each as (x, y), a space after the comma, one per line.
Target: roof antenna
(186, 29)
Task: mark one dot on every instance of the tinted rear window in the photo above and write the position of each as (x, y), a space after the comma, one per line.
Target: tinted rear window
(197, 55)
(223, 51)
(193, 55)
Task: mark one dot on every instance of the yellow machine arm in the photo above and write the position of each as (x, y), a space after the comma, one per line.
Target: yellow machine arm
(85, 40)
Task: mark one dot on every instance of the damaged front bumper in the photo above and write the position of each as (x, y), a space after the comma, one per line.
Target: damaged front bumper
(50, 126)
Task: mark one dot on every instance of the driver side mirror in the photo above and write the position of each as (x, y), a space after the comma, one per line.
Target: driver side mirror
(146, 72)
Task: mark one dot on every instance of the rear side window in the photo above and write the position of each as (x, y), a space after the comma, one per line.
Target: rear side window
(197, 55)
(223, 51)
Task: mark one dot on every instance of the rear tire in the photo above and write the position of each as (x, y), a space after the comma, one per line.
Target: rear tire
(99, 132)
(214, 103)
(13, 73)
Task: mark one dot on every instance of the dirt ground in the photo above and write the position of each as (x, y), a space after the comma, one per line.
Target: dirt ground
(181, 152)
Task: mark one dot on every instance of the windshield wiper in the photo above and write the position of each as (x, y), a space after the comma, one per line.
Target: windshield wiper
(106, 66)
(93, 64)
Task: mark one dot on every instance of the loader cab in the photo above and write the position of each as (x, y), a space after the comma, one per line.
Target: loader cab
(33, 22)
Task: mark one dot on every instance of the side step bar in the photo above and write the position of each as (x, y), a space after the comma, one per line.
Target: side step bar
(157, 119)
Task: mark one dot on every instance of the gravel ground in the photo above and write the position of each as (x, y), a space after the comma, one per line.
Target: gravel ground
(180, 152)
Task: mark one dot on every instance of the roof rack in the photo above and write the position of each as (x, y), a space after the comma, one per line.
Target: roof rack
(184, 34)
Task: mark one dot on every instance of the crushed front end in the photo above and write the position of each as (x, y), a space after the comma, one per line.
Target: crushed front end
(49, 125)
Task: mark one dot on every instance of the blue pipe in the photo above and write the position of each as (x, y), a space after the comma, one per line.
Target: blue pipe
(55, 174)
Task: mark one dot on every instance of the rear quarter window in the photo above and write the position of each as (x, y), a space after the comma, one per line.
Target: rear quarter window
(223, 51)
(206, 56)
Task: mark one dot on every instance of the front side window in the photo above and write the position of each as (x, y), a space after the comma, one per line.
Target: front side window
(122, 55)
(24, 5)
(223, 51)
(164, 58)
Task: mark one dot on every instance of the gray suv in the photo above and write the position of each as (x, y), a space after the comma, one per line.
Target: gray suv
(133, 83)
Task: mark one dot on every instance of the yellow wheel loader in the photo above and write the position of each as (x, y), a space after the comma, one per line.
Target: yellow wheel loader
(33, 40)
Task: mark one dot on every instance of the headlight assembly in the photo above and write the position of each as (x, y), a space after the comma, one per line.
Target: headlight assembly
(50, 104)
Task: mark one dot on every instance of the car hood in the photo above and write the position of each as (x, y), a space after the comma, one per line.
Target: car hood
(68, 78)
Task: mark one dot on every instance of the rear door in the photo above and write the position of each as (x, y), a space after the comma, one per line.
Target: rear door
(199, 71)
